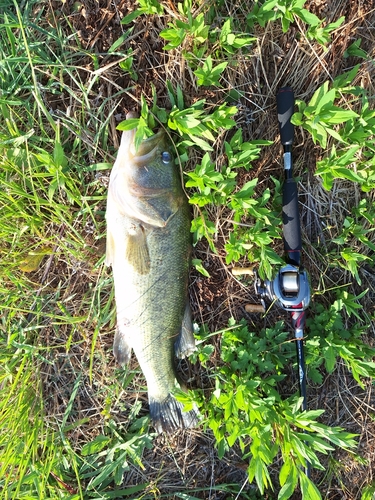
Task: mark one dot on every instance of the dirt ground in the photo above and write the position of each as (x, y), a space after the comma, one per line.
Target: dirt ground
(189, 460)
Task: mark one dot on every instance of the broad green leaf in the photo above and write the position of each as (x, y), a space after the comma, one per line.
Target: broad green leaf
(129, 124)
(325, 101)
(106, 471)
(270, 5)
(335, 115)
(308, 489)
(335, 135)
(346, 78)
(318, 95)
(290, 480)
(346, 173)
(285, 471)
(225, 30)
(330, 359)
(59, 157)
(355, 50)
(197, 263)
(308, 17)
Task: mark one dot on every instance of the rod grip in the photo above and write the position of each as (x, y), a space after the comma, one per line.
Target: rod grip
(291, 221)
(285, 109)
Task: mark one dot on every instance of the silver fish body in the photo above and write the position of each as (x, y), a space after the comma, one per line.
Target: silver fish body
(149, 247)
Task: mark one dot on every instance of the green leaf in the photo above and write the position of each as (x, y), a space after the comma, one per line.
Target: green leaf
(336, 115)
(112, 49)
(308, 489)
(345, 79)
(288, 480)
(308, 17)
(318, 95)
(355, 50)
(335, 135)
(174, 36)
(197, 263)
(130, 17)
(325, 101)
(330, 359)
(95, 446)
(347, 173)
(106, 472)
(59, 157)
(33, 259)
(129, 124)
(368, 492)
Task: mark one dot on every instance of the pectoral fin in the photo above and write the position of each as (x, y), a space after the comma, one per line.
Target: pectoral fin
(185, 343)
(136, 252)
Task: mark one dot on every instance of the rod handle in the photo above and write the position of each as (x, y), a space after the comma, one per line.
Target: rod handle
(285, 109)
(254, 308)
(291, 221)
(240, 271)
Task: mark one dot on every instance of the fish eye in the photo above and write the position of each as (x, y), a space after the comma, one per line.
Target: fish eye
(166, 157)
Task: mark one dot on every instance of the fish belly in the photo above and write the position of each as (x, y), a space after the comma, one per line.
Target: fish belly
(150, 312)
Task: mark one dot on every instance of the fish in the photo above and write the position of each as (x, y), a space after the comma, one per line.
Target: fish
(149, 248)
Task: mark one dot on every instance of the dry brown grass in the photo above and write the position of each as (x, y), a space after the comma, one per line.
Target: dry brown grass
(189, 460)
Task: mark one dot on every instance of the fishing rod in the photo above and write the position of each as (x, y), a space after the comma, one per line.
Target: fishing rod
(290, 289)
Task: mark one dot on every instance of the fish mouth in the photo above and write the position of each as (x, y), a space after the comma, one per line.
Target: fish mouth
(147, 148)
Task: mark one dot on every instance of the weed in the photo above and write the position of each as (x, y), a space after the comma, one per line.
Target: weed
(57, 298)
(288, 11)
(246, 407)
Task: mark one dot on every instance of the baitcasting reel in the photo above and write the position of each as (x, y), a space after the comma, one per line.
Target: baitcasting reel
(290, 289)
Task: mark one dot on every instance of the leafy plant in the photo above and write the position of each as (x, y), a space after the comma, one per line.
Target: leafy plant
(145, 7)
(229, 41)
(333, 340)
(321, 114)
(246, 407)
(177, 32)
(288, 11)
(322, 117)
(107, 457)
(208, 74)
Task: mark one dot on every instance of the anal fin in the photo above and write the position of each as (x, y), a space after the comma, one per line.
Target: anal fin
(121, 348)
(185, 342)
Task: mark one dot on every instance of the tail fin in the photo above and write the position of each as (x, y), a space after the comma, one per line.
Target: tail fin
(169, 415)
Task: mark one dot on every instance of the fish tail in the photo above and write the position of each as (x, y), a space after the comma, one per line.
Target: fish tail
(169, 415)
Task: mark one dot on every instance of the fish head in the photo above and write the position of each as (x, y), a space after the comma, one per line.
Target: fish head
(145, 183)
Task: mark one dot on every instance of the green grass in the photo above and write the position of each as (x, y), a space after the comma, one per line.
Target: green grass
(67, 431)
(46, 208)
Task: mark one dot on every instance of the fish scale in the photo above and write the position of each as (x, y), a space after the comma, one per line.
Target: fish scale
(149, 247)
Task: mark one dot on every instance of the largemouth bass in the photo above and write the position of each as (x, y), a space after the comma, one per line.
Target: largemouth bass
(149, 247)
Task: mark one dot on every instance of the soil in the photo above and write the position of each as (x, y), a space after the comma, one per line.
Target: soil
(189, 459)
